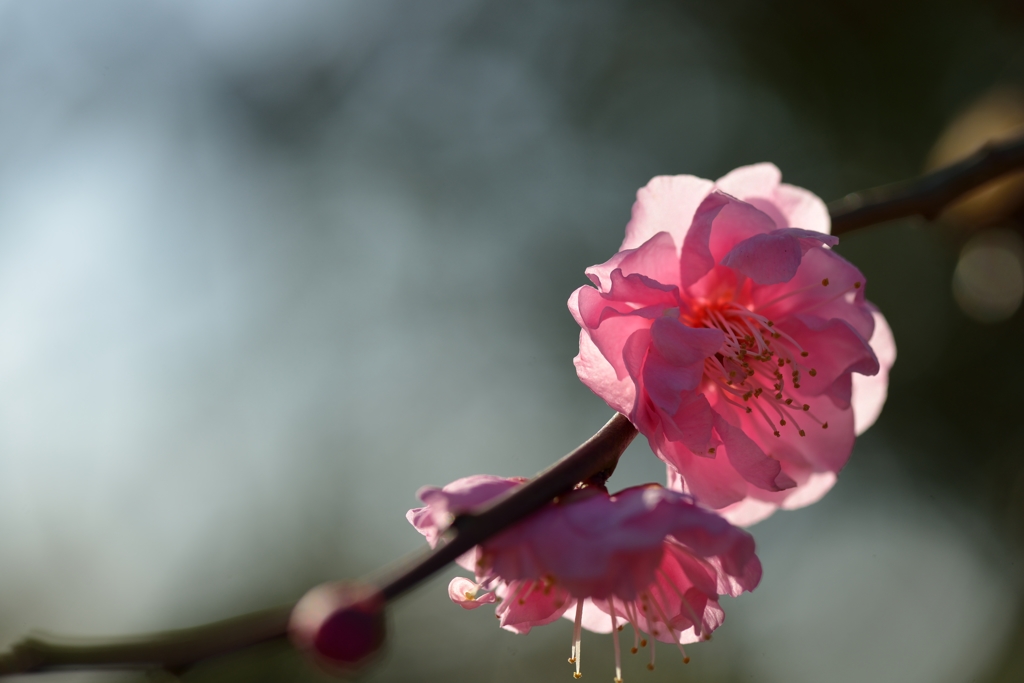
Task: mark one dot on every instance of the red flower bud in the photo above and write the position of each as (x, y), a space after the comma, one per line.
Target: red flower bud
(340, 625)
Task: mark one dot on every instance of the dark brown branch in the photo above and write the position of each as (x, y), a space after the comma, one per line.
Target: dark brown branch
(170, 650)
(929, 194)
(594, 459)
(178, 650)
(592, 462)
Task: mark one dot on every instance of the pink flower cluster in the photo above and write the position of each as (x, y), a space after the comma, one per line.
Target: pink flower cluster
(736, 340)
(741, 345)
(647, 556)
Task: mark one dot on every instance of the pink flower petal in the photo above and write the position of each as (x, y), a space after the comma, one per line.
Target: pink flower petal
(789, 206)
(870, 391)
(749, 460)
(691, 424)
(713, 481)
(756, 180)
(527, 604)
(666, 204)
(598, 374)
(802, 209)
(675, 361)
(720, 223)
(824, 286)
(813, 490)
(774, 257)
(834, 351)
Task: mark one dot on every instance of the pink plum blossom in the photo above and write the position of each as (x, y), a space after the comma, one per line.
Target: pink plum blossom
(646, 556)
(736, 340)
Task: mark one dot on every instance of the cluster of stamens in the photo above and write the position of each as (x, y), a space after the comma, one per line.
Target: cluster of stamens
(759, 365)
(653, 611)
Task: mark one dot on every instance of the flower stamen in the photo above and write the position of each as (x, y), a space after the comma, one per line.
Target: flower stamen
(576, 642)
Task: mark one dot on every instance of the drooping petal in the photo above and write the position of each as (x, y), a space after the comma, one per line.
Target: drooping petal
(466, 594)
(528, 603)
(869, 391)
(665, 204)
(594, 619)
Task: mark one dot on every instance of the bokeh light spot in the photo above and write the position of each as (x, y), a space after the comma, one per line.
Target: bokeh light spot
(988, 283)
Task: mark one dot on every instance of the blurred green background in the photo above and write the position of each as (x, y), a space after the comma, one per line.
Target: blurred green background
(267, 268)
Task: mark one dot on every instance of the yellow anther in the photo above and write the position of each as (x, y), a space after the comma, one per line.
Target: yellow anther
(577, 674)
(572, 660)
(470, 596)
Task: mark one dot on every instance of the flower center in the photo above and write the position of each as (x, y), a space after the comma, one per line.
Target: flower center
(759, 366)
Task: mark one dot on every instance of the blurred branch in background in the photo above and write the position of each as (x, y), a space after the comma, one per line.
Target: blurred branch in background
(592, 462)
(928, 195)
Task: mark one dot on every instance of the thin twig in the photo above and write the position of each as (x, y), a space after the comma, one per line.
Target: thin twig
(592, 462)
(929, 194)
(178, 650)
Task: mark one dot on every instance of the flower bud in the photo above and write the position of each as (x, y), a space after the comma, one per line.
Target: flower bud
(340, 625)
